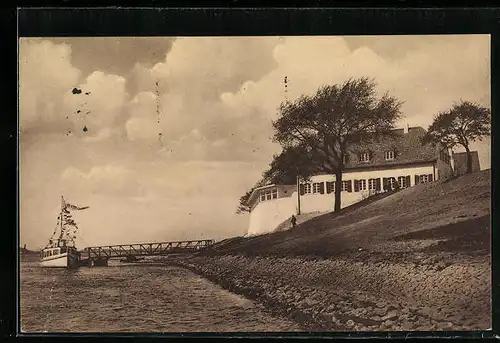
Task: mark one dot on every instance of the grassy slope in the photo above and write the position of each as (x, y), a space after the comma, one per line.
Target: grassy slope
(301, 218)
(451, 216)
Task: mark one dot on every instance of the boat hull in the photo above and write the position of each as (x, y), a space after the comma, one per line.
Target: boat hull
(64, 260)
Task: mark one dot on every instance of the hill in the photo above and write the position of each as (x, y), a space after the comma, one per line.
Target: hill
(451, 215)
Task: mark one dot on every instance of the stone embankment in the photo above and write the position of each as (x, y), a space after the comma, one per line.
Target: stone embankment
(349, 295)
(415, 260)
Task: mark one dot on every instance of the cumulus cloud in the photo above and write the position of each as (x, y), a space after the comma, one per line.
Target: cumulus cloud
(211, 65)
(189, 82)
(116, 55)
(425, 79)
(99, 106)
(151, 114)
(192, 88)
(45, 73)
(414, 78)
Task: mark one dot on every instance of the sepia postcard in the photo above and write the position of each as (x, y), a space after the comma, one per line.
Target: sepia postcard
(255, 184)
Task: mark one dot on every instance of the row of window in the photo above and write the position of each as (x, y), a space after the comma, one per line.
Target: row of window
(359, 185)
(269, 194)
(48, 253)
(375, 184)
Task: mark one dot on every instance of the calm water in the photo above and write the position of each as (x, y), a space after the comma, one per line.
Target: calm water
(147, 298)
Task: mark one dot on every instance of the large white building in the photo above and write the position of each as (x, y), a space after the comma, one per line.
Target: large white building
(369, 168)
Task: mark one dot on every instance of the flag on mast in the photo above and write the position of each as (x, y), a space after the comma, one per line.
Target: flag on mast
(66, 206)
(73, 207)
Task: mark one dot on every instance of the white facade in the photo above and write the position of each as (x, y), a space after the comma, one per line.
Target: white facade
(272, 205)
(268, 212)
(266, 216)
(312, 202)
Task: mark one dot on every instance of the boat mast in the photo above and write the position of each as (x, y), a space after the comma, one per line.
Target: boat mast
(61, 219)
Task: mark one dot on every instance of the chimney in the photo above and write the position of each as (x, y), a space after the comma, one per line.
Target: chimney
(406, 128)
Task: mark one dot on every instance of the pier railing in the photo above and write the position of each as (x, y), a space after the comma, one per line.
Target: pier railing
(146, 249)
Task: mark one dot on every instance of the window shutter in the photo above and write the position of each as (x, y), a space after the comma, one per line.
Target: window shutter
(301, 189)
(385, 182)
(322, 188)
(395, 183)
(430, 177)
(349, 186)
(369, 155)
(417, 179)
(377, 184)
(328, 188)
(408, 180)
(356, 185)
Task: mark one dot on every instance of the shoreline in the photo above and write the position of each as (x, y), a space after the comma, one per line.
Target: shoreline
(430, 292)
(345, 295)
(304, 320)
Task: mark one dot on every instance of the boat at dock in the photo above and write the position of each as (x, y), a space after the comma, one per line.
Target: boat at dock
(61, 251)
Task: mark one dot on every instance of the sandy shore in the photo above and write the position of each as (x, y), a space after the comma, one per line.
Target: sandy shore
(349, 295)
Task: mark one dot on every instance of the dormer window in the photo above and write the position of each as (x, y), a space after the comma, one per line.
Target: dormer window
(389, 155)
(364, 157)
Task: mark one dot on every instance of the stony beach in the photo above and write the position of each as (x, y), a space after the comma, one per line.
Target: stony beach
(343, 295)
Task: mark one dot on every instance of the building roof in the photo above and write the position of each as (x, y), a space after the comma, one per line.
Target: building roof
(407, 147)
(255, 190)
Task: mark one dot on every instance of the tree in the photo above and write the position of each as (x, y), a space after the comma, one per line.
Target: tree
(292, 162)
(336, 117)
(243, 205)
(285, 167)
(463, 124)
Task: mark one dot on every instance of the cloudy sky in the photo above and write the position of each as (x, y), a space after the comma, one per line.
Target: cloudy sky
(177, 129)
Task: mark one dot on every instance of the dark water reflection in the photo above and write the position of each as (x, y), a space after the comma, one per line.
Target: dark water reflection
(132, 298)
